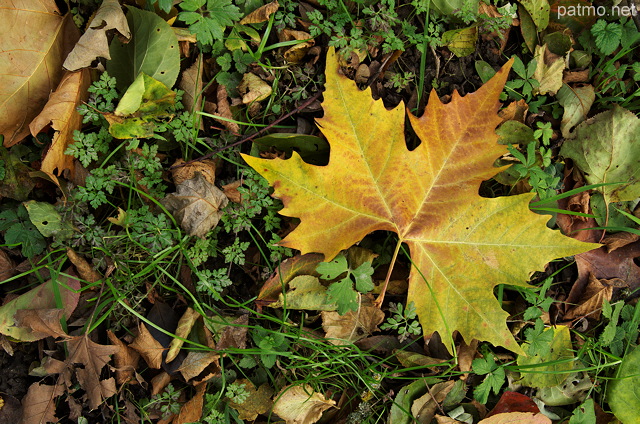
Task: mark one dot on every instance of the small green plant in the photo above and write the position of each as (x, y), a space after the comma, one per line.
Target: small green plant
(237, 392)
(271, 344)
(524, 86)
(404, 321)
(166, 402)
(495, 375)
(342, 292)
(607, 36)
(208, 19)
(20, 231)
(544, 180)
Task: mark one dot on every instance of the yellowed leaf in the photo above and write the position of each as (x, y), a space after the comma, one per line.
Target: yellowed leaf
(253, 88)
(301, 405)
(61, 112)
(185, 324)
(258, 402)
(548, 72)
(196, 361)
(35, 41)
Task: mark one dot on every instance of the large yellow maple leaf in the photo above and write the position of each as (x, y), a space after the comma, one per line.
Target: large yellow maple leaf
(461, 245)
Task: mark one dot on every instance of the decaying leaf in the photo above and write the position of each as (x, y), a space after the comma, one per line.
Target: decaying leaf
(39, 405)
(191, 84)
(425, 407)
(196, 361)
(89, 358)
(301, 405)
(605, 150)
(85, 270)
(258, 402)
(150, 349)
(181, 172)
(261, 14)
(197, 205)
(42, 322)
(191, 411)
(35, 41)
(125, 359)
(253, 88)
(462, 244)
(549, 71)
(224, 110)
(40, 297)
(559, 357)
(517, 418)
(595, 294)
(94, 43)
(305, 292)
(576, 102)
(61, 112)
(234, 335)
(352, 326)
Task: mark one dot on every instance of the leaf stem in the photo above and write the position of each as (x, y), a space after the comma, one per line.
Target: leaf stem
(380, 299)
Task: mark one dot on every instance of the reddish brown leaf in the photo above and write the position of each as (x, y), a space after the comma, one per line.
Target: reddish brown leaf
(150, 349)
(125, 359)
(514, 402)
(42, 322)
(39, 405)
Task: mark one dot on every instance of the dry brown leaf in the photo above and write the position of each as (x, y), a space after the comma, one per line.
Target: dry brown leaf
(159, 382)
(191, 411)
(301, 405)
(197, 205)
(42, 322)
(11, 409)
(253, 88)
(235, 334)
(125, 360)
(258, 402)
(85, 270)
(7, 266)
(516, 111)
(466, 354)
(441, 419)
(148, 347)
(39, 405)
(618, 240)
(261, 14)
(35, 41)
(296, 53)
(61, 112)
(595, 294)
(92, 357)
(231, 191)
(94, 43)
(224, 110)
(352, 326)
(191, 84)
(180, 173)
(196, 361)
(185, 324)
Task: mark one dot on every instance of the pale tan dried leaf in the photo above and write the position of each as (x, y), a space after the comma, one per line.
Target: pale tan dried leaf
(224, 110)
(191, 411)
(185, 324)
(191, 84)
(148, 347)
(425, 407)
(197, 205)
(516, 111)
(7, 266)
(442, 419)
(261, 14)
(61, 112)
(258, 402)
(42, 322)
(125, 360)
(92, 357)
(548, 72)
(196, 361)
(5, 344)
(296, 53)
(517, 418)
(35, 41)
(466, 355)
(39, 405)
(253, 88)
(301, 405)
(231, 191)
(181, 174)
(85, 270)
(94, 43)
(618, 240)
(159, 382)
(352, 326)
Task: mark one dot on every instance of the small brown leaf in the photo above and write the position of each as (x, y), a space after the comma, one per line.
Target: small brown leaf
(7, 266)
(235, 334)
(196, 361)
(261, 14)
(191, 411)
(352, 326)
(181, 173)
(197, 205)
(224, 111)
(426, 406)
(125, 359)
(43, 322)
(517, 418)
(231, 191)
(147, 346)
(39, 405)
(191, 84)
(92, 357)
(85, 270)
(301, 405)
(185, 324)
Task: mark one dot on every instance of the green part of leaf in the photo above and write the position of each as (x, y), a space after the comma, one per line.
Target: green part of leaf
(209, 24)
(607, 35)
(623, 393)
(343, 294)
(47, 220)
(539, 12)
(549, 367)
(584, 414)
(333, 269)
(153, 49)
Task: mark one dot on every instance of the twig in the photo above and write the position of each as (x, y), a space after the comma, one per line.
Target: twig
(254, 135)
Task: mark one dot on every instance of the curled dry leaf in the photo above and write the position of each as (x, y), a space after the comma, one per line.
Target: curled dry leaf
(594, 295)
(261, 14)
(150, 349)
(296, 53)
(549, 71)
(197, 205)
(85, 270)
(301, 405)
(180, 173)
(185, 324)
(94, 43)
(352, 326)
(424, 408)
(196, 361)
(191, 411)
(61, 112)
(191, 84)
(231, 191)
(224, 111)
(7, 266)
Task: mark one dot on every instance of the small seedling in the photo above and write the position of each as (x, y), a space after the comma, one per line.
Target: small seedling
(341, 292)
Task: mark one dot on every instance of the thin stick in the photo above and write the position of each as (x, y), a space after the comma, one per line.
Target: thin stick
(254, 135)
